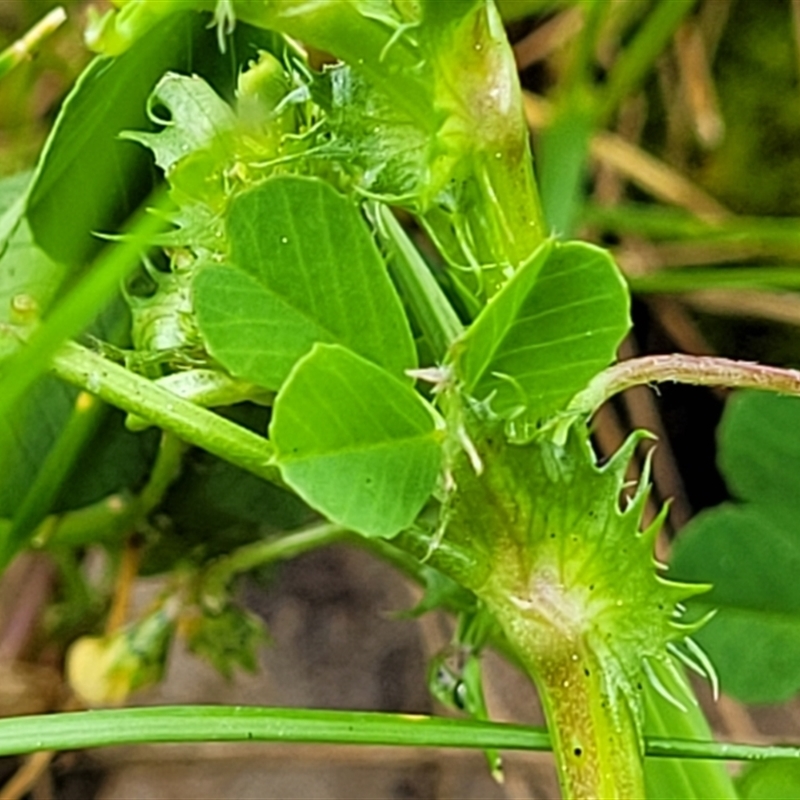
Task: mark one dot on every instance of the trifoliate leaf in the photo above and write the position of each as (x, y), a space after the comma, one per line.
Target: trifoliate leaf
(305, 269)
(29, 279)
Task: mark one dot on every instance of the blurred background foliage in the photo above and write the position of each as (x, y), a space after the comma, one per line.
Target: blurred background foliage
(686, 163)
(30, 95)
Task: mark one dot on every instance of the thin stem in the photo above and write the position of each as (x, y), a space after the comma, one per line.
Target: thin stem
(27, 776)
(24, 47)
(117, 515)
(195, 425)
(123, 588)
(81, 729)
(165, 472)
(279, 548)
(718, 751)
(433, 311)
(105, 521)
(682, 368)
(86, 415)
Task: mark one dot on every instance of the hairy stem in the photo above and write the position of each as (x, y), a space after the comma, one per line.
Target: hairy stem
(681, 368)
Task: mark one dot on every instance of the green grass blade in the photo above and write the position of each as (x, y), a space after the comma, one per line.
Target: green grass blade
(668, 281)
(240, 724)
(172, 724)
(658, 222)
(639, 55)
(76, 311)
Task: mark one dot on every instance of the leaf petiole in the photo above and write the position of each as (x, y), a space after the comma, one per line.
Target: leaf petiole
(136, 395)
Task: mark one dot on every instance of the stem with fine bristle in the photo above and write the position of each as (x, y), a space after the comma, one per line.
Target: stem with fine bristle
(682, 368)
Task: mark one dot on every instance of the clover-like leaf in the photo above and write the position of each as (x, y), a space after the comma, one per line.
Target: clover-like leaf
(750, 551)
(304, 269)
(355, 442)
(88, 179)
(552, 327)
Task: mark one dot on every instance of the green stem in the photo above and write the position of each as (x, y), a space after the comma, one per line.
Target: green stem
(24, 47)
(165, 472)
(195, 425)
(86, 415)
(115, 516)
(222, 571)
(435, 315)
(105, 521)
(595, 738)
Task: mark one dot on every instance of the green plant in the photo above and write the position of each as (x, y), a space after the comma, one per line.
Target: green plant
(439, 412)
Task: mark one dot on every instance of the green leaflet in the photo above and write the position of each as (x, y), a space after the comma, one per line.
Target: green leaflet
(305, 270)
(198, 115)
(355, 442)
(750, 551)
(13, 192)
(549, 330)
